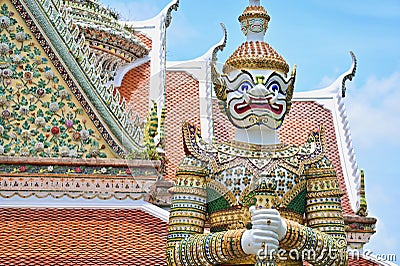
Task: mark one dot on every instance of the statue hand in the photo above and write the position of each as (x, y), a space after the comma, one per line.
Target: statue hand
(267, 230)
(256, 240)
(269, 220)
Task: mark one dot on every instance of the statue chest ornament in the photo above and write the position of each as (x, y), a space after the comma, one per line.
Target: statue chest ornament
(232, 191)
(234, 168)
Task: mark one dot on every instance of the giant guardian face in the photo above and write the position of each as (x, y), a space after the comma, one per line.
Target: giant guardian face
(258, 99)
(254, 84)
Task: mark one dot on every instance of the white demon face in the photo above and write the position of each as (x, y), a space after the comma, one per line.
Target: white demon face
(257, 101)
(256, 24)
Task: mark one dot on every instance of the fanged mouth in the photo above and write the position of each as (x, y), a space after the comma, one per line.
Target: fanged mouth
(258, 103)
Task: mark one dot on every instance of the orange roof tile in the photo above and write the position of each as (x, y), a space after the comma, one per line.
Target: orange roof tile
(146, 40)
(55, 236)
(303, 118)
(223, 129)
(66, 236)
(135, 88)
(182, 99)
(362, 262)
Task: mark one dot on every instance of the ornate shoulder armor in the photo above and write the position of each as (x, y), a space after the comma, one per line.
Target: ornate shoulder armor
(195, 146)
(297, 158)
(315, 147)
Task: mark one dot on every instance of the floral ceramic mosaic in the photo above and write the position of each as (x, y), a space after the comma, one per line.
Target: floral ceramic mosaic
(38, 114)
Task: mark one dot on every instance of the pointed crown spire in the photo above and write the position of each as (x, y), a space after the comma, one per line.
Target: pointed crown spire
(255, 53)
(254, 21)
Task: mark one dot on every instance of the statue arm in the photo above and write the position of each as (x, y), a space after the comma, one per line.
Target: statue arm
(323, 240)
(187, 244)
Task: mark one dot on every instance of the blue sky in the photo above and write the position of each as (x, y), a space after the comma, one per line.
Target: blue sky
(317, 36)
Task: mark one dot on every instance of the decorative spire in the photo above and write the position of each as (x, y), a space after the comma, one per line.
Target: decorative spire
(362, 210)
(255, 53)
(254, 21)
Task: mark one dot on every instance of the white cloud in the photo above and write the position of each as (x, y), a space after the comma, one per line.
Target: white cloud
(374, 111)
(384, 241)
(325, 82)
(381, 205)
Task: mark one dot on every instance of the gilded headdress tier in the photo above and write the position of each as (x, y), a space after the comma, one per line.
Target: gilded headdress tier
(255, 53)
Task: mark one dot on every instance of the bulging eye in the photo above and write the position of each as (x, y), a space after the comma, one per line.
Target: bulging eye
(244, 87)
(274, 87)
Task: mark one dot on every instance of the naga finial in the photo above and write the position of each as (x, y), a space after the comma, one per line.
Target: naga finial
(350, 74)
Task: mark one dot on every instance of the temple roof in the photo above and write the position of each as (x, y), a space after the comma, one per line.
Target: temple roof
(81, 236)
(103, 32)
(88, 236)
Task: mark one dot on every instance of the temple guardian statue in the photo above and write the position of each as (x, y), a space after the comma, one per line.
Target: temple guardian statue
(254, 200)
